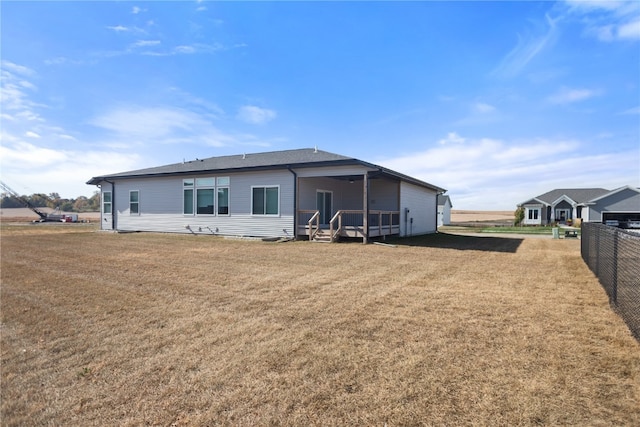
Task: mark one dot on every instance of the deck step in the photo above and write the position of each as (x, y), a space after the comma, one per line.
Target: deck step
(322, 236)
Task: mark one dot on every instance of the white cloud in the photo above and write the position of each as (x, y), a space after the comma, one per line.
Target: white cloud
(168, 125)
(184, 49)
(255, 115)
(608, 21)
(567, 95)
(528, 47)
(632, 111)
(630, 30)
(17, 69)
(159, 123)
(493, 174)
(32, 169)
(15, 101)
(31, 134)
(119, 28)
(145, 43)
(483, 108)
(452, 138)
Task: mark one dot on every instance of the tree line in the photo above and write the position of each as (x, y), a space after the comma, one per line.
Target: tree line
(54, 201)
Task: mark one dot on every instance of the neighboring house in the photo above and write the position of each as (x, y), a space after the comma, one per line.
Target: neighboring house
(444, 210)
(296, 193)
(587, 204)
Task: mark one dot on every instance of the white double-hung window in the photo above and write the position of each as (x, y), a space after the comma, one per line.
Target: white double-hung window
(134, 202)
(222, 184)
(187, 196)
(106, 202)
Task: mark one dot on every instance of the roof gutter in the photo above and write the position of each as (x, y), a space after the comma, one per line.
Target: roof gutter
(295, 201)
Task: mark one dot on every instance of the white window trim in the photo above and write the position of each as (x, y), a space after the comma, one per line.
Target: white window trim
(110, 203)
(217, 206)
(138, 202)
(265, 187)
(566, 211)
(191, 187)
(195, 187)
(195, 200)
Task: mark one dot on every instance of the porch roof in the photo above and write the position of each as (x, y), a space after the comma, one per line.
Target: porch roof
(288, 159)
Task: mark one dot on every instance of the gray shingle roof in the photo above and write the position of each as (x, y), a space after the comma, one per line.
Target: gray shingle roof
(578, 195)
(305, 157)
(442, 200)
(239, 161)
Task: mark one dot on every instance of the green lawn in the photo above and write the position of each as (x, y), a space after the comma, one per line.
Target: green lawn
(518, 230)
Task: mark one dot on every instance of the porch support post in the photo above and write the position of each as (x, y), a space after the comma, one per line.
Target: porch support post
(365, 211)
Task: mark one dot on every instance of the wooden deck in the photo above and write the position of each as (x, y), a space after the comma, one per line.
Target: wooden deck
(348, 223)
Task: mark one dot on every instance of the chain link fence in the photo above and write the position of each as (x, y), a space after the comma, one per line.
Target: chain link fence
(614, 257)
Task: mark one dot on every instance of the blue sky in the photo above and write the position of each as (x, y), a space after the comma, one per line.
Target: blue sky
(495, 101)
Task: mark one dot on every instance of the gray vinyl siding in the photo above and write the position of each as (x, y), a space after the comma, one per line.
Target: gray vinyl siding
(422, 205)
(622, 201)
(383, 195)
(346, 196)
(161, 206)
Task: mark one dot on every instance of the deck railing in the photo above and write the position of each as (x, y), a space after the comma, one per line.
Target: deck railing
(343, 219)
(385, 223)
(349, 223)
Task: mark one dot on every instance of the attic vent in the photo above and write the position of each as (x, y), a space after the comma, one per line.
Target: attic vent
(315, 149)
(244, 156)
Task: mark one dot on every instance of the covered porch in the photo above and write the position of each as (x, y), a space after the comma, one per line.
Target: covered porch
(347, 206)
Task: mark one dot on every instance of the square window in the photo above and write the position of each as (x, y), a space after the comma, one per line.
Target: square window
(204, 201)
(265, 200)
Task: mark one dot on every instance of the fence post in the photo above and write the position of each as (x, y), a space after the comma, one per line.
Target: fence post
(597, 246)
(614, 291)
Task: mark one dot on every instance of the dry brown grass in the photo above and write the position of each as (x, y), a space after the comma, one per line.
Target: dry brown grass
(132, 329)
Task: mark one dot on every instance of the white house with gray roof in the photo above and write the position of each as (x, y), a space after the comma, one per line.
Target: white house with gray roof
(305, 193)
(587, 204)
(444, 210)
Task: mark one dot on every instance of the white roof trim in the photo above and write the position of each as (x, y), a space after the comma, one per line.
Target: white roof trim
(566, 198)
(526, 203)
(612, 192)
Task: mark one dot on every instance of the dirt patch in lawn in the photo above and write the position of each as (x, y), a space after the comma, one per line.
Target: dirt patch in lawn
(130, 329)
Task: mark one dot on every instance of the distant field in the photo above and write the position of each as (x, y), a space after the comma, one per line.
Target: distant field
(456, 215)
(27, 215)
(180, 330)
(461, 216)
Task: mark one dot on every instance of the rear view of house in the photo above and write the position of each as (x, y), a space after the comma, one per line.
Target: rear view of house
(295, 193)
